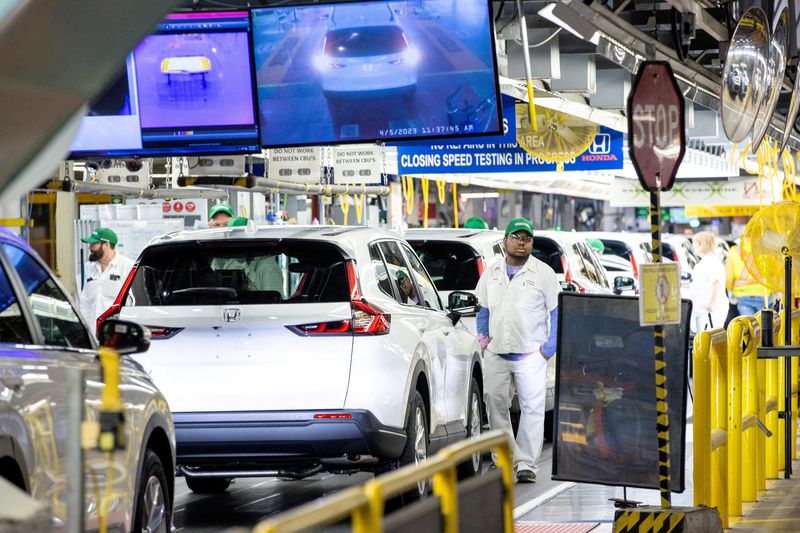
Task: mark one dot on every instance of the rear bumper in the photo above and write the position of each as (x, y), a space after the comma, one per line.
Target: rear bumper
(281, 437)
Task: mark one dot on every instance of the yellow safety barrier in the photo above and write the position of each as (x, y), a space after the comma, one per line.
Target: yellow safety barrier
(365, 504)
(734, 391)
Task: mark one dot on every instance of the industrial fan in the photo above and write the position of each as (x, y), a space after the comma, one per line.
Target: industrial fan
(771, 235)
(559, 137)
(770, 248)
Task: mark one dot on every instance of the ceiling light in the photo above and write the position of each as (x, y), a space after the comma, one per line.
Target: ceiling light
(566, 18)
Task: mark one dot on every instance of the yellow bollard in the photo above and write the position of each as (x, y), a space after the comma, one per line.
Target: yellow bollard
(749, 460)
(761, 414)
(781, 434)
(734, 390)
(719, 422)
(701, 416)
(772, 442)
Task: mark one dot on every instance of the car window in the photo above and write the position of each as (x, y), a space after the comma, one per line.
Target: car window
(593, 263)
(365, 41)
(381, 273)
(429, 295)
(547, 251)
(618, 248)
(399, 273)
(240, 272)
(453, 266)
(580, 260)
(497, 248)
(58, 320)
(13, 328)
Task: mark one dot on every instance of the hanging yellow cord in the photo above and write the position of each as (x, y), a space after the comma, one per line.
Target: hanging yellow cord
(455, 204)
(425, 182)
(358, 199)
(441, 186)
(344, 205)
(408, 193)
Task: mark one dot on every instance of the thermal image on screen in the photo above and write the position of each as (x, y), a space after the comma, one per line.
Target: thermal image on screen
(375, 70)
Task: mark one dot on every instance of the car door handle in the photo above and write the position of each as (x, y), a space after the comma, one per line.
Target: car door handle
(15, 383)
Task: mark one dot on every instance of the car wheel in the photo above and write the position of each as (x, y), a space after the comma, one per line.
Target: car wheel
(474, 429)
(153, 502)
(208, 485)
(416, 449)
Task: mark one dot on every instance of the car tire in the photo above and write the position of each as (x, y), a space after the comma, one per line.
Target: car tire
(416, 448)
(208, 485)
(153, 500)
(474, 429)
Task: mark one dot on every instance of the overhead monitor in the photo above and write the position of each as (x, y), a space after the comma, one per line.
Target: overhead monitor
(186, 89)
(377, 70)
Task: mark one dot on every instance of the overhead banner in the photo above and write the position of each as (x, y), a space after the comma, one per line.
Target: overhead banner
(358, 164)
(301, 164)
(739, 192)
(501, 153)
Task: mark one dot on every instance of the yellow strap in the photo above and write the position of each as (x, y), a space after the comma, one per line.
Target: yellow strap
(344, 205)
(441, 186)
(408, 193)
(425, 182)
(359, 201)
(455, 204)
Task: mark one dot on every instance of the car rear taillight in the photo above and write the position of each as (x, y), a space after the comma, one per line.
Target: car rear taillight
(113, 311)
(332, 416)
(368, 319)
(481, 266)
(675, 257)
(635, 266)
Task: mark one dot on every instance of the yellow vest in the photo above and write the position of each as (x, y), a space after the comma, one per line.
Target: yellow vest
(738, 278)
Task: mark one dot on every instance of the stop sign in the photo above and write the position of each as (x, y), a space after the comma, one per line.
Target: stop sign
(656, 134)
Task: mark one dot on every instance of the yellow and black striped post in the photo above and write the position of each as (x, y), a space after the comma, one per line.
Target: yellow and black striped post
(662, 406)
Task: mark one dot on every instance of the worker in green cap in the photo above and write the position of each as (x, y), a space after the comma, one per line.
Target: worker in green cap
(407, 291)
(597, 245)
(238, 222)
(517, 330)
(476, 223)
(220, 216)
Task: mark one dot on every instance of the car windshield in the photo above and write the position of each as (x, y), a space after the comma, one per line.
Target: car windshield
(453, 266)
(243, 272)
(618, 248)
(547, 251)
(365, 41)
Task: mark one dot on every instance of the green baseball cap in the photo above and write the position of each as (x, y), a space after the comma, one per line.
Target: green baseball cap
(401, 275)
(101, 235)
(476, 223)
(220, 208)
(597, 244)
(519, 224)
(237, 222)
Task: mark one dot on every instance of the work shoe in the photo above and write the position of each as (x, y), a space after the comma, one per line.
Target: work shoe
(526, 476)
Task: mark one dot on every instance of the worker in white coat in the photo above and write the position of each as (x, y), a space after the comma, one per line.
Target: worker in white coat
(107, 273)
(517, 328)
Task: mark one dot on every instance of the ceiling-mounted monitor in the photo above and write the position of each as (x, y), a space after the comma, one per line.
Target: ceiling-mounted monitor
(186, 89)
(377, 70)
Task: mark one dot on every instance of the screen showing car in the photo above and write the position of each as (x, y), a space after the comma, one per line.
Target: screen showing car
(187, 88)
(381, 70)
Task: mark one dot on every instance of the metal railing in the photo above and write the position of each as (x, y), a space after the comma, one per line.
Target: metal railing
(364, 505)
(735, 395)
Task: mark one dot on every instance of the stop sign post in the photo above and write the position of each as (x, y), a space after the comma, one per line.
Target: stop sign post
(657, 143)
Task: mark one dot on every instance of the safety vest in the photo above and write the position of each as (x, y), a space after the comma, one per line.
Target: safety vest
(739, 279)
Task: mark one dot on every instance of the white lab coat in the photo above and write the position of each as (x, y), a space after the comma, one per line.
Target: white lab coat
(102, 287)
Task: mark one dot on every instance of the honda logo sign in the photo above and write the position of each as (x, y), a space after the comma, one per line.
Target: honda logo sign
(231, 314)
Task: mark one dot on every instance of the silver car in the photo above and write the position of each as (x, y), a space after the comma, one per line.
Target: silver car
(41, 338)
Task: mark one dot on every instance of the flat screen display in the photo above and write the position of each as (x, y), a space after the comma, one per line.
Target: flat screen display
(186, 89)
(379, 70)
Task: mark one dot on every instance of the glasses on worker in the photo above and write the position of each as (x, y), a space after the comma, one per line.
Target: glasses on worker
(520, 238)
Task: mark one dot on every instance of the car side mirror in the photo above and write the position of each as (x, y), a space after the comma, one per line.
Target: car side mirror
(686, 277)
(623, 283)
(566, 286)
(461, 304)
(123, 336)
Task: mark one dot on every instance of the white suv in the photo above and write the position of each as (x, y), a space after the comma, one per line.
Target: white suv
(290, 350)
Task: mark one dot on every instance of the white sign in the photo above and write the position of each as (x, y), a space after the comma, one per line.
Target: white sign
(744, 191)
(191, 207)
(358, 164)
(301, 164)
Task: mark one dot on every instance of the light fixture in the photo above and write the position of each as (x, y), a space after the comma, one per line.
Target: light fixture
(567, 18)
(475, 195)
